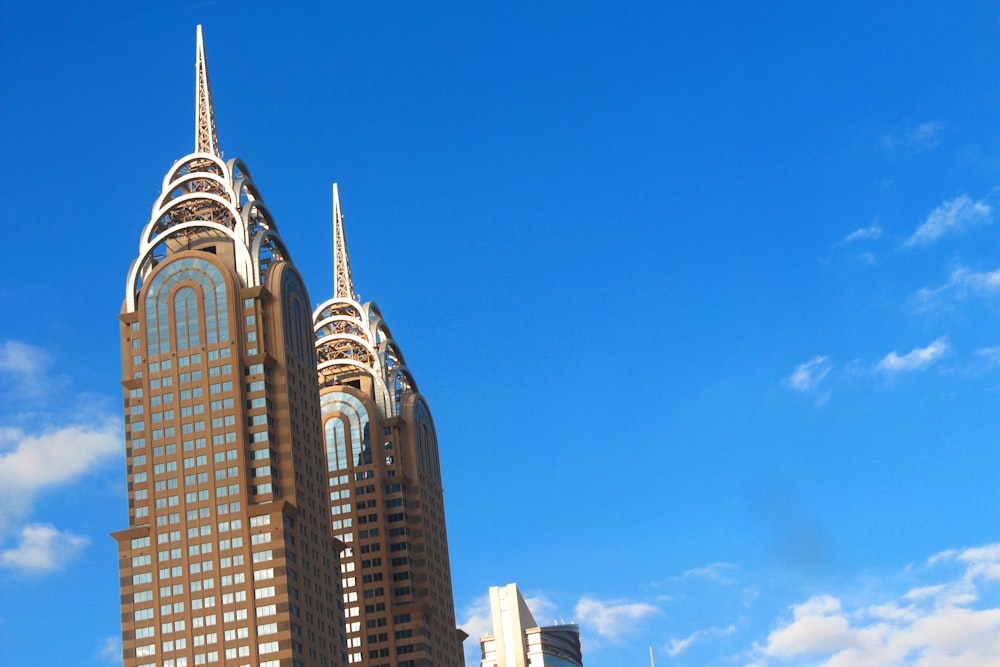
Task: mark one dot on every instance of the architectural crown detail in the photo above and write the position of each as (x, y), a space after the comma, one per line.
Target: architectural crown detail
(205, 198)
(352, 338)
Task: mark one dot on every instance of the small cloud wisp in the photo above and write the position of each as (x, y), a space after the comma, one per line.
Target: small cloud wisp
(917, 359)
(870, 233)
(613, 619)
(808, 376)
(952, 216)
(922, 137)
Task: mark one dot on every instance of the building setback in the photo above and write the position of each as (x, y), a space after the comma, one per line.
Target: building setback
(228, 557)
(386, 497)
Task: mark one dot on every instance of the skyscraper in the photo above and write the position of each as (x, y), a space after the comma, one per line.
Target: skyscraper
(518, 641)
(228, 557)
(386, 497)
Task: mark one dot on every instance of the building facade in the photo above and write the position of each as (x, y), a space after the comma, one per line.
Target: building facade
(386, 497)
(518, 641)
(228, 557)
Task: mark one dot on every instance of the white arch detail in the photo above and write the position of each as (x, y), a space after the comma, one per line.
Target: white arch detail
(222, 200)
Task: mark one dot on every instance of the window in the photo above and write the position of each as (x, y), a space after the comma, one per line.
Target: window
(145, 651)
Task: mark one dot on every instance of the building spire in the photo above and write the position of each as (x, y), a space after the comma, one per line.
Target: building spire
(205, 139)
(343, 287)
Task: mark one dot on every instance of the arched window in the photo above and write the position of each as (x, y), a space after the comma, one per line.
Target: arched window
(204, 284)
(427, 455)
(298, 317)
(346, 447)
(336, 443)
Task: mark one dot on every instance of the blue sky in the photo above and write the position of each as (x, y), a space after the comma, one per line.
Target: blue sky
(704, 297)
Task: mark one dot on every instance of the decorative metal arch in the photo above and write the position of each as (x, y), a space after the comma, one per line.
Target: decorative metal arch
(202, 194)
(348, 340)
(352, 338)
(267, 249)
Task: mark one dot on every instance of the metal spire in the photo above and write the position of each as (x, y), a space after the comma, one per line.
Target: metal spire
(343, 286)
(205, 140)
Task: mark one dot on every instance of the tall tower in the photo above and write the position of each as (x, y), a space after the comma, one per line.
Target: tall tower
(385, 486)
(228, 558)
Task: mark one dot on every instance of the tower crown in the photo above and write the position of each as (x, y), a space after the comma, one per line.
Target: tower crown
(352, 338)
(208, 204)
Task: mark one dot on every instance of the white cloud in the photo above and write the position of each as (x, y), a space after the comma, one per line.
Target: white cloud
(915, 360)
(951, 216)
(23, 368)
(42, 548)
(818, 627)
(32, 462)
(945, 623)
(678, 646)
(925, 135)
(922, 137)
(808, 376)
(983, 562)
(476, 624)
(990, 355)
(110, 650)
(21, 358)
(541, 608)
(869, 233)
(716, 572)
(962, 283)
(612, 619)
(49, 437)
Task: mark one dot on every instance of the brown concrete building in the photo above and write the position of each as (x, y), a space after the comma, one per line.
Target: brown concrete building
(228, 557)
(386, 497)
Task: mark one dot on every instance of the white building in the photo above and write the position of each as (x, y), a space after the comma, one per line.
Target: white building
(518, 641)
